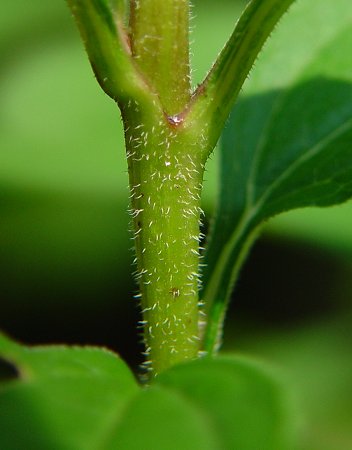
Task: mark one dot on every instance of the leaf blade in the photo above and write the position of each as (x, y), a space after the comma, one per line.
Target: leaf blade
(65, 398)
(164, 420)
(292, 148)
(238, 395)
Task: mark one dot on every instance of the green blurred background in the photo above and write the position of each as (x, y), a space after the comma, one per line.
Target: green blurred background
(65, 249)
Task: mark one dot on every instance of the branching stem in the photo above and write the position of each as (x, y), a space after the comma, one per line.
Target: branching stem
(169, 133)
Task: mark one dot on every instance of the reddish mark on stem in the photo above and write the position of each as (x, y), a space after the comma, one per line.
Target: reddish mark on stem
(175, 120)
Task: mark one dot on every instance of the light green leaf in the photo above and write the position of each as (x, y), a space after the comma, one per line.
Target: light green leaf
(160, 419)
(64, 398)
(288, 143)
(225, 403)
(243, 401)
(86, 399)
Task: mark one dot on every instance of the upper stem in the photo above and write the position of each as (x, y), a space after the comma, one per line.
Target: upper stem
(160, 45)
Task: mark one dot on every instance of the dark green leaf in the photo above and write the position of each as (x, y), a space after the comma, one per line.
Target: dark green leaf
(63, 398)
(289, 140)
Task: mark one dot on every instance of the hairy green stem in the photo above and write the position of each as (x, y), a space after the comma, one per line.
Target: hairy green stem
(160, 46)
(166, 171)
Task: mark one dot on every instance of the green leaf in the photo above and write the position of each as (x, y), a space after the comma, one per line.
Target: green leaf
(244, 403)
(288, 143)
(225, 403)
(160, 419)
(63, 398)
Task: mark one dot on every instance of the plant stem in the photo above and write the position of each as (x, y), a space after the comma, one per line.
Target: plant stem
(160, 46)
(165, 170)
